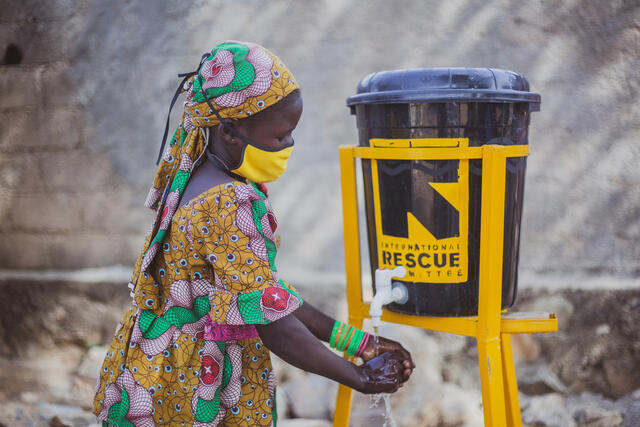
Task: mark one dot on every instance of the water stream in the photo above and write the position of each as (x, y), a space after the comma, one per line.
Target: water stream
(385, 397)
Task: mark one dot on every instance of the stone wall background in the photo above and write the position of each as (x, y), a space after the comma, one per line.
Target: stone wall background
(81, 117)
(82, 114)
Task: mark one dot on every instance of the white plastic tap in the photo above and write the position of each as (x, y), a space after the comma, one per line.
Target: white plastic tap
(385, 293)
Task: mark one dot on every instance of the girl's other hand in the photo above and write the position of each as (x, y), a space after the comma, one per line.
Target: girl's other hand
(379, 345)
(381, 374)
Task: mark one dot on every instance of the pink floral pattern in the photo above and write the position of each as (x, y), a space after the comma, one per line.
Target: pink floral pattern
(210, 379)
(183, 293)
(153, 346)
(170, 206)
(140, 401)
(220, 71)
(245, 194)
(276, 302)
(152, 197)
(185, 163)
(148, 257)
(262, 64)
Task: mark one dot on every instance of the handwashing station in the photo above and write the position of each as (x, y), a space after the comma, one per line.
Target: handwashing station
(443, 157)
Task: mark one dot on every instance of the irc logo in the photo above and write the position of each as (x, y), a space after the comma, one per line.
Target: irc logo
(422, 211)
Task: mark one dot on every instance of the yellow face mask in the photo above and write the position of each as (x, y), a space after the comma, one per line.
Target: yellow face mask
(259, 165)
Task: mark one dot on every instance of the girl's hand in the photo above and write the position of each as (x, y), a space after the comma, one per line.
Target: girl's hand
(382, 374)
(379, 345)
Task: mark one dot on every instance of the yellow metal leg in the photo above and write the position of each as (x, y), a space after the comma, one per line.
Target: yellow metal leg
(490, 362)
(514, 418)
(345, 394)
(490, 278)
(343, 406)
(352, 262)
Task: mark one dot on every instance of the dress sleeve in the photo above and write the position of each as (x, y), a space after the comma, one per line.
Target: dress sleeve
(233, 232)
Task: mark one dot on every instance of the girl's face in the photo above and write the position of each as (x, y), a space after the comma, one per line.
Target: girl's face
(271, 129)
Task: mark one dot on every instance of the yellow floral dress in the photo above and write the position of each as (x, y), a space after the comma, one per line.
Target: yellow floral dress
(187, 351)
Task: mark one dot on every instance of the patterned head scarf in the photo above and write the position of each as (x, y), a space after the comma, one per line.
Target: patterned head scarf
(235, 80)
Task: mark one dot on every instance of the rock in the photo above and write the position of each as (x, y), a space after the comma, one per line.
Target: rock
(43, 414)
(555, 303)
(66, 415)
(92, 361)
(449, 344)
(545, 411)
(284, 371)
(538, 379)
(629, 406)
(15, 413)
(310, 396)
(598, 417)
(616, 372)
(525, 347)
(303, 422)
(55, 422)
(282, 404)
(459, 363)
(594, 410)
(459, 407)
(28, 397)
(597, 351)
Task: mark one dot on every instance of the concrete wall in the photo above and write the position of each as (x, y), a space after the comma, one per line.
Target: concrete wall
(81, 117)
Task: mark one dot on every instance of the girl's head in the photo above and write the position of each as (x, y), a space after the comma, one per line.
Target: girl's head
(258, 147)
(246, 88)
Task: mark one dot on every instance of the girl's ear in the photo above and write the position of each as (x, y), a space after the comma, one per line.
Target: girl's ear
(225, 134)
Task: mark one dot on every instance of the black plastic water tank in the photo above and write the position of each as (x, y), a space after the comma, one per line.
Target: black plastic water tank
(487, 106)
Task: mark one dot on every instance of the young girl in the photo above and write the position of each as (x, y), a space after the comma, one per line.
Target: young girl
(208, 305)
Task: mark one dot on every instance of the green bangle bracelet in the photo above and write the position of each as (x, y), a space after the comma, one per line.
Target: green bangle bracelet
(355, 342)
(343, 339)
(336, 325)
(353, 339)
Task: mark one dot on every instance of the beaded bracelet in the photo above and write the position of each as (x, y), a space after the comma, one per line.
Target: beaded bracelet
(349, 339)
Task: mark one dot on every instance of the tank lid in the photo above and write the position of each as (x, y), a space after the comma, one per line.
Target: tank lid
(444, 85)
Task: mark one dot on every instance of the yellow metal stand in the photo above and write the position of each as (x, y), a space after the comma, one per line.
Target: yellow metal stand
(490, 328)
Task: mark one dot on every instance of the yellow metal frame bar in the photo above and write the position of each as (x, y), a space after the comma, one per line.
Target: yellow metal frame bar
(491, 329)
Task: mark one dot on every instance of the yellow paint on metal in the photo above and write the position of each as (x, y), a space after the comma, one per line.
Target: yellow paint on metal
(490, 278)
(426, 153)
(351, 232)
(490, 327)
(512, 406)
(415, 142)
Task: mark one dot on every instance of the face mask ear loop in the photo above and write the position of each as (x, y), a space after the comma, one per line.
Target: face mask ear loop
(224, 122)
(186, 77)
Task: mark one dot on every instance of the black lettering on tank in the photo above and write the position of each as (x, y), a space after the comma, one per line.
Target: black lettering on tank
(424, 264)
(410, 260)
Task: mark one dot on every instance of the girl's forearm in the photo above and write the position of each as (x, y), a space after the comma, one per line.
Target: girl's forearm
(316, 321)
(290, 340)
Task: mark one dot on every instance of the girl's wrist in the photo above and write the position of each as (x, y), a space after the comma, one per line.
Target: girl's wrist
(347, 338)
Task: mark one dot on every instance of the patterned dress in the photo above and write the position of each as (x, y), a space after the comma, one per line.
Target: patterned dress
(187, 351)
